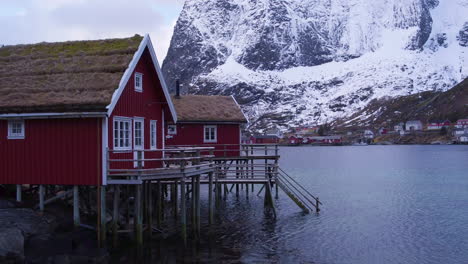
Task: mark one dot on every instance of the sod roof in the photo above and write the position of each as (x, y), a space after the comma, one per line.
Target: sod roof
(65, 76)
(208, 108)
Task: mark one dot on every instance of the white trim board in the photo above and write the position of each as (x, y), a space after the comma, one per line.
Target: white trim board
(53, 115)
(146, 42)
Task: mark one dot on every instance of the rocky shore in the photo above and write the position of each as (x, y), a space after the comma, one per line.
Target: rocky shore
(28, 236)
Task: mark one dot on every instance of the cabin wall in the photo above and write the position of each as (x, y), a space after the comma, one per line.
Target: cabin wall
(53, 152)
(148, 104)
(193, 134)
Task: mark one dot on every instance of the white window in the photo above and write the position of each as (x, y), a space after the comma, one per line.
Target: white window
(172, 129)
(16, 129)
(210, 135)
(153, 134)
(138, 132)
(138, 82)
(122, 133)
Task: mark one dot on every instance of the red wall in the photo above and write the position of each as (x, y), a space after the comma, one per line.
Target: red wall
(54, 151)
(148, 104)
(192, 134)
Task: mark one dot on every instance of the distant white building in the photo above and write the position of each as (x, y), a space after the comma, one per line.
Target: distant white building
(414, 125)
(368, 134)
(399, 127)
(274, 132)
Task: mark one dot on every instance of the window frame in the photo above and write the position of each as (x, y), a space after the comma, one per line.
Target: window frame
(209, 140)
(153, 134)
(12, 135)
(137, 120)
(130, 133)
(138, 88)
(174, 132)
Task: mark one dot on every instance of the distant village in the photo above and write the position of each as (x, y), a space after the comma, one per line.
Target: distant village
(410, 132)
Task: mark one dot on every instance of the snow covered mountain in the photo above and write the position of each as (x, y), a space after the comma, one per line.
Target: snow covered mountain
(295, 62)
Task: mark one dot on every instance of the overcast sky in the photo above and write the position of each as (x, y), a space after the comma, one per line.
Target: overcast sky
(32, 21)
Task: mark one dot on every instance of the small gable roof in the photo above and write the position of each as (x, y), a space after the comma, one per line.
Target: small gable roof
(72, 76)
(208, 108)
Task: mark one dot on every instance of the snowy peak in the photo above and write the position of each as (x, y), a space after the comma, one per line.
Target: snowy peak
(296, 61)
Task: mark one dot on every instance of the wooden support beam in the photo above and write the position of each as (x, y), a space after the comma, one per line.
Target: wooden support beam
(18, 193)
(115, 215)
(159, 199)
(175, 199)
(149, 200)
(183, 216)
(41, 197)
(138, 216)
(76, 206)
(194, 207)
(103, 215)
(210, 198)
(198, 214)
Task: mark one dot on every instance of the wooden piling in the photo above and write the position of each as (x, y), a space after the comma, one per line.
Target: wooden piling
(103, 215)
(159, 202)
(194, 207)
(183, 216)
(210, 198)
(175, 199)
(18, 193)
(41, 197)
(149, 200)
(198, 214)
(138, 216)
(115, 215)
(76, 206)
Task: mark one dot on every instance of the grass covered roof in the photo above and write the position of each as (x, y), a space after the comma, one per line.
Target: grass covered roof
(64, 76)
(208, 108)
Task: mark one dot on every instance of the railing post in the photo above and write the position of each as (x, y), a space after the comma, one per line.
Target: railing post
(317, 202)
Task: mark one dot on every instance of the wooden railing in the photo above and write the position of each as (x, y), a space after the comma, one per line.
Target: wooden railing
(162, 163)
(230, 150)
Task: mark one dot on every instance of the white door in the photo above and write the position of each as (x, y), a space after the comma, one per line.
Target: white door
(138, 139)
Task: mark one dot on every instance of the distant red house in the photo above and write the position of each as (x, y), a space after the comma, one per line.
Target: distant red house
(292, 140)
(437, 125)
(62, 105)
(266, 139)
(207, 121)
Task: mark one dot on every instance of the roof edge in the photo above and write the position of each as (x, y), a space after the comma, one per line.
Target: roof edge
(145, 43)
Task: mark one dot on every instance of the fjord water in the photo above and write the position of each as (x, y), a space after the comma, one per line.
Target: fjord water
(382, 204)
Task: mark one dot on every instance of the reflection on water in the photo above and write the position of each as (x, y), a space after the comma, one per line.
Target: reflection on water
(382, 204)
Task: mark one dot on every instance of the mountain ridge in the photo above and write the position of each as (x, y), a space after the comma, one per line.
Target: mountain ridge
(291, 62)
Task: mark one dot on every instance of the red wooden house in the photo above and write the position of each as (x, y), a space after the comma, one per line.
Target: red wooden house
(207, 121)
(437, 125)
(62, 105)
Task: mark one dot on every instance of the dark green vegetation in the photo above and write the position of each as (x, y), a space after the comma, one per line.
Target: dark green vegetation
(426, 106)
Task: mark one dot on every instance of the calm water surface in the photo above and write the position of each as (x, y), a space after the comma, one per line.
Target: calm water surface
(382, 204)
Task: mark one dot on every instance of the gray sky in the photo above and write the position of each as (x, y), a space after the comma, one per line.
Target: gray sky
(32, 21)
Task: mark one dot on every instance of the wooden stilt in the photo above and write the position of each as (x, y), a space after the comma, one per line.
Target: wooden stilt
(99, 216)
(149, 200)
(269, 203)
(41, 197)
(159, 199)
(183, 216)
(115, 216)
(103, 215)
(194, 207)
(18, 193)
(175, 199)
(76, 206)
(198, 214)
(210, 198)
(138, 216)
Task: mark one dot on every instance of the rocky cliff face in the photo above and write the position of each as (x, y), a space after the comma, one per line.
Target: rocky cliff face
(292, 62)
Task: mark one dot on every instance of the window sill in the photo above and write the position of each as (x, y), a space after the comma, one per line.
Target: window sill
(16, 137)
